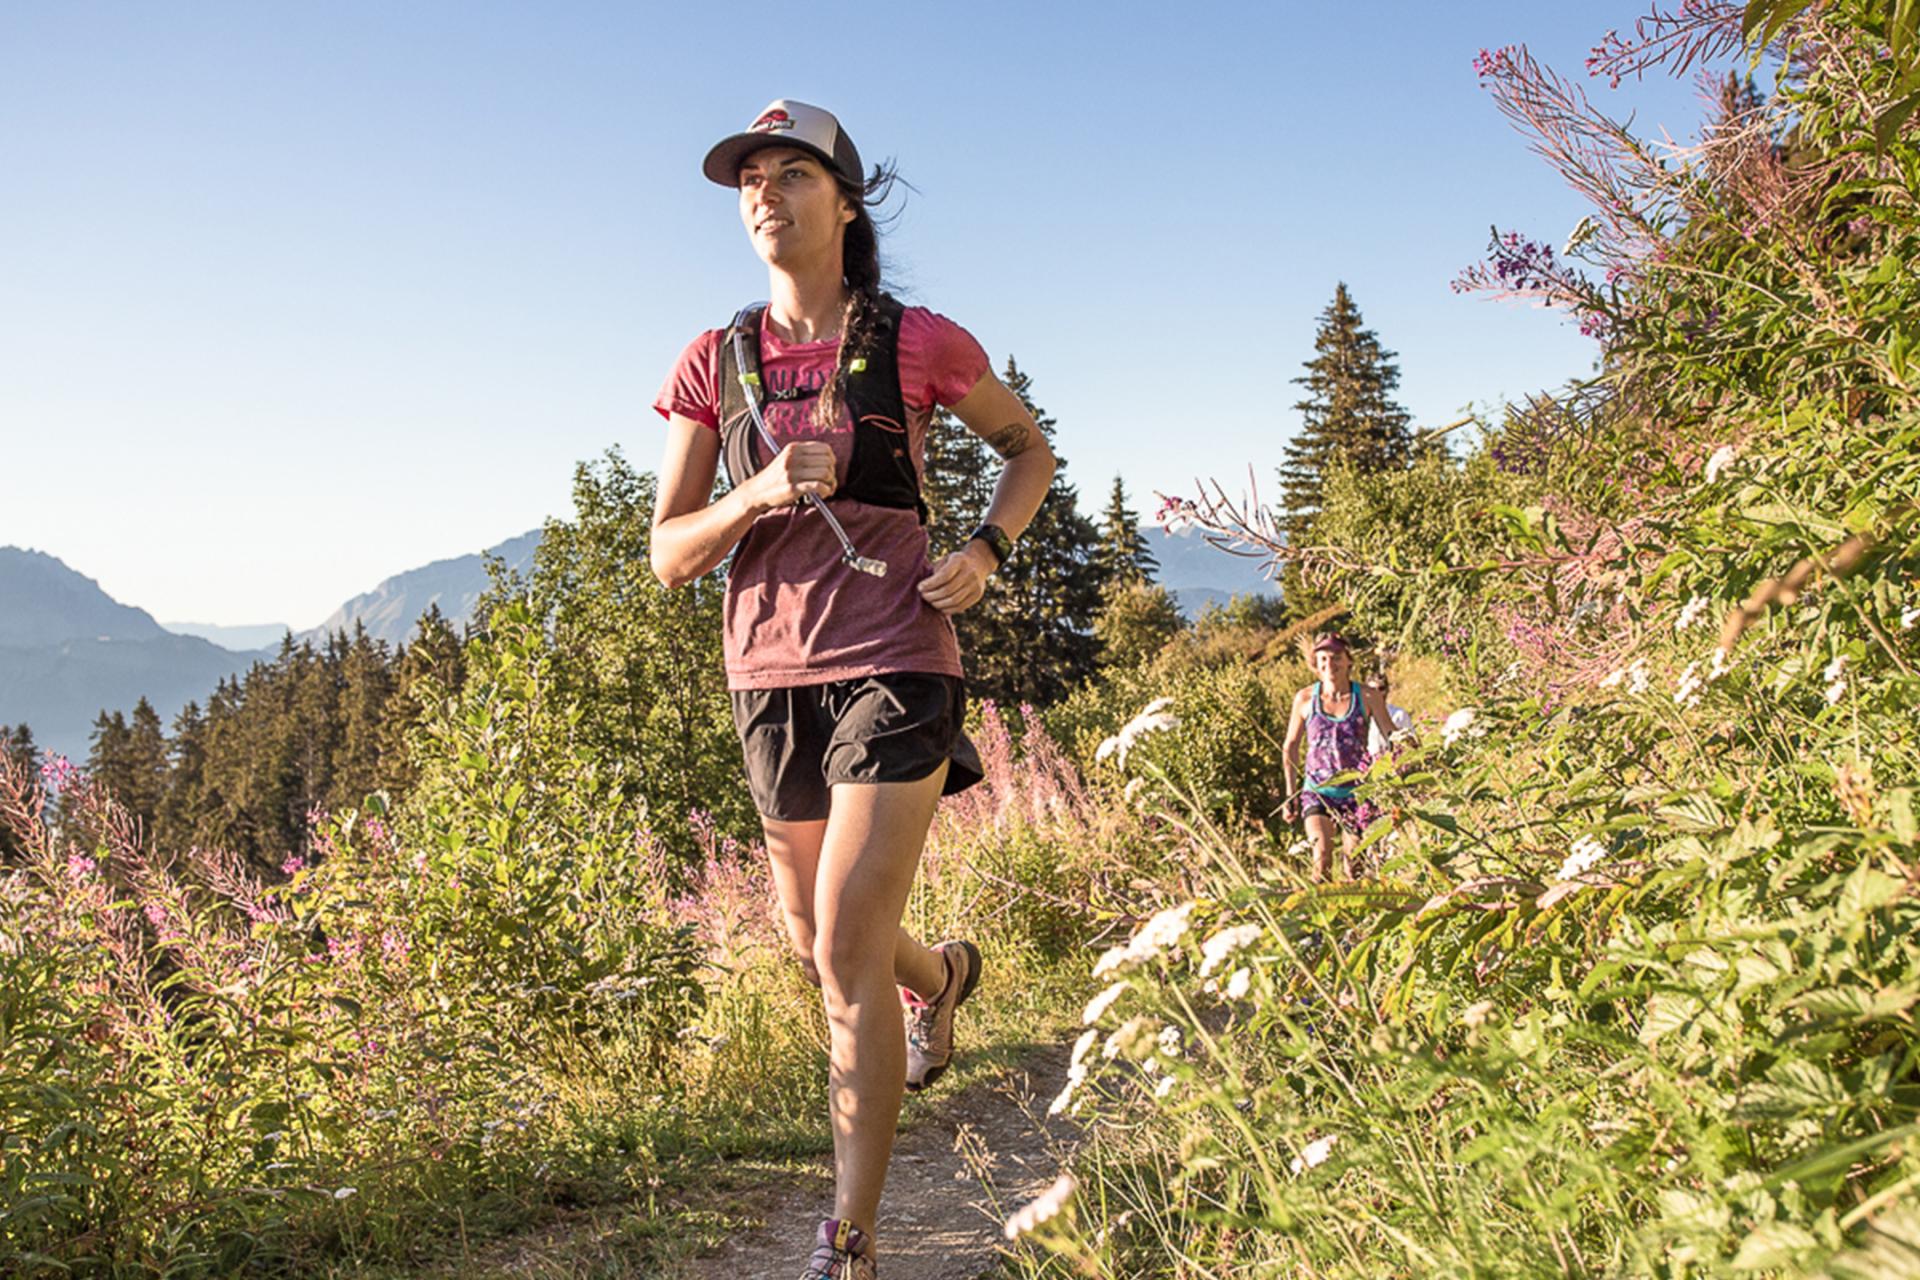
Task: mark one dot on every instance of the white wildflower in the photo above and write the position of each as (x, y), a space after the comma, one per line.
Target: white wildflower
(1102, 1002)
(1910, 617)
(1638, 677)
(1614, 678)
(1132, 789)
(1687, 692)
(1161, 932)
(1046, 1207)
(1693, 615)
(1719, 663)
(1237, 985)
(1080, 1047)
(1111, 959)
(1215, 950)
(1586, 854)
(1460, 725)
(1477, 1014)
(1076, 1076)
(1721, 459)
(1169, 1041)
(1836, 677)
(1314, 1154)
(1166, 1086)
(1152, 718)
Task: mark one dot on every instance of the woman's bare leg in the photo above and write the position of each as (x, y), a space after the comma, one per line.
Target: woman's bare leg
(867, 863)
(1320, 829)
(793, 848)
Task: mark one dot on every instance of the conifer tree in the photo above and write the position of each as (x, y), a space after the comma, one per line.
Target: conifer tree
(1030, 639)
(109, 757)
(1349, 412)
(186, 780)
(145, 786)
(957, 484)
(1124, 554)
(1349, 417)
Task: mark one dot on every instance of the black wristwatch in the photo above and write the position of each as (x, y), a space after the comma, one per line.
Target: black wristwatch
(997, 541)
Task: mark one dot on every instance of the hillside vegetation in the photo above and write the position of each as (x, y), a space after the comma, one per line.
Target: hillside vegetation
(1623, 984)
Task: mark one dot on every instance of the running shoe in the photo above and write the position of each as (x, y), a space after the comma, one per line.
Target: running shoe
(843, 1252)
(930, 1022)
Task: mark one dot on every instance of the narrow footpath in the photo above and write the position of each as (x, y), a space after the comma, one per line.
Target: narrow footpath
(956, 1176)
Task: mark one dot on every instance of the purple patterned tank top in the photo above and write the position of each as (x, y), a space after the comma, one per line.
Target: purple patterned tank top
(1336, 746)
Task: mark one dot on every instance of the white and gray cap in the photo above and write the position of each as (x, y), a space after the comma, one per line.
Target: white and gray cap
(793, 124)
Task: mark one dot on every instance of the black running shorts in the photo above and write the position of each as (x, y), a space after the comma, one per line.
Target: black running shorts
(800, 741)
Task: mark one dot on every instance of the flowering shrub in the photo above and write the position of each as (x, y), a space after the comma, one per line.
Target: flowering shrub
(1633, 991)
(203, 1071)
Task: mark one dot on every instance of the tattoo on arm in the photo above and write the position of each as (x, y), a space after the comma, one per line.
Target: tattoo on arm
(1013, 439)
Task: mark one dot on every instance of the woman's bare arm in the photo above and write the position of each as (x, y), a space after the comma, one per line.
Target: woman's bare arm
(997, 416)
(691, 536)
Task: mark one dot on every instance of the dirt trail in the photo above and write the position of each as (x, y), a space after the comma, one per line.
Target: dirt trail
(956, 1175)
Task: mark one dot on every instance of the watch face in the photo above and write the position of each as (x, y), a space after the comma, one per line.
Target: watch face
(995, 537)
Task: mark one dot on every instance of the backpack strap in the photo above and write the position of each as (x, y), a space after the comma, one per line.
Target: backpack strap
(883, 473)
(740, 447)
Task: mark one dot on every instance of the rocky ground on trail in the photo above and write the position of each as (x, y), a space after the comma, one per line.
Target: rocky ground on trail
(956, 1176)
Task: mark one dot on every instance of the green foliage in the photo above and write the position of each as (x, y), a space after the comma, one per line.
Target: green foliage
(1633, 991)
(635, 665)
(1225, 749)
(1136, 621)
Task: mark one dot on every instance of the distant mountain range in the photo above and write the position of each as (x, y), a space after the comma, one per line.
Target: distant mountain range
(68, 649)
(1199, 573)
(390, 610)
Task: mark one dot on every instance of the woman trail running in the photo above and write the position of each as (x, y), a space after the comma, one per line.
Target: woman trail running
(840, 652)
(1331, 718)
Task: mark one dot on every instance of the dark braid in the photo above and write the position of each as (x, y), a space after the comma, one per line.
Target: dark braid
(859, 323)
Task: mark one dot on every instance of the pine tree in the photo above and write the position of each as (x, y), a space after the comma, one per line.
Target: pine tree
(1349, 418)
(1349, 412)
(957, 482)
(145, 787)
(1124, 555)
(1030, 639)
(109, 754)
(175, 826)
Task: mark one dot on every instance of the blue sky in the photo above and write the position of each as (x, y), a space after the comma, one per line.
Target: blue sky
(296, 297)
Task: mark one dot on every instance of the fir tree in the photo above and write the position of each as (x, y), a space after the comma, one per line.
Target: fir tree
(1349, 412)
(1030, 639)
(145, 787)
(957, 483)
(1124, 555)
(1348, 418)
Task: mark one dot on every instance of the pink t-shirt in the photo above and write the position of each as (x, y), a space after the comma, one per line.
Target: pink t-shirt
(795, 614)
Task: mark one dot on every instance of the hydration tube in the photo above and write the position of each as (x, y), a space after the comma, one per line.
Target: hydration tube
(750, 385)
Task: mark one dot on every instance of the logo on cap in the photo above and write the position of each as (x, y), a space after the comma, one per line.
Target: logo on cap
(771, 121)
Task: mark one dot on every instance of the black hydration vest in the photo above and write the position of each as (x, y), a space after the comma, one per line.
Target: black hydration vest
(882, 472)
